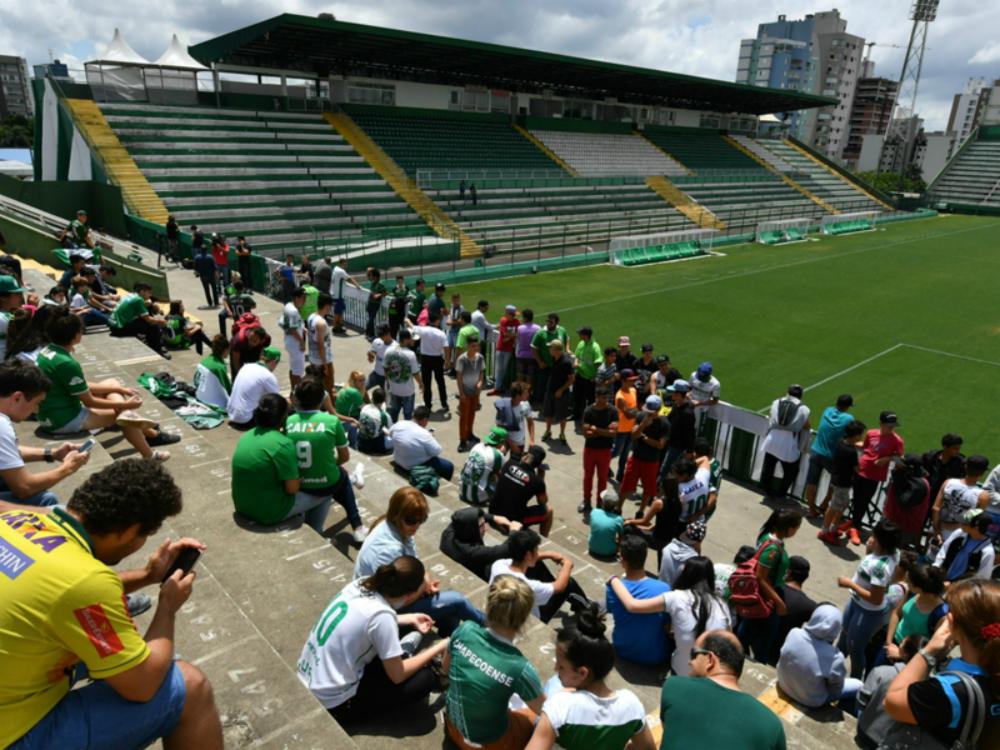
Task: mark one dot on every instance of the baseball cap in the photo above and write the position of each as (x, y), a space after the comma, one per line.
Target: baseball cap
(81, 212)
(628, 374)
(9, 285)
(537, 452)
(510, 308)
(695, 531)
(705, 370)
(662, 359)
(647, 347)
(679, 386)
(624, 341)
(439, 286)
(585, 331)
(653, 404)
(971, 517)
(271, 353)
(798, 567)
(888, 417)
(496, 436)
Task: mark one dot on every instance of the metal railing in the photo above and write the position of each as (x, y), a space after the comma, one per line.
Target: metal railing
(429, 178)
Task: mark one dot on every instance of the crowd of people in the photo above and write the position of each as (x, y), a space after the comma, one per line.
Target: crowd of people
(394, 635)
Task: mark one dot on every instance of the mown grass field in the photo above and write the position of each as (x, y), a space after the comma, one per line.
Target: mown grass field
(904, 318)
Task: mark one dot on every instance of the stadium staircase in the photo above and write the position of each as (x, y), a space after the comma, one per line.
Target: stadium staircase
(121, 169)
(598, 154)
(283, 180)
(404, 186)
(972, 177)
(699, 214)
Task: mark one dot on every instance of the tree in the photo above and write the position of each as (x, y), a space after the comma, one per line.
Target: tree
(888, 182)
(16, 131)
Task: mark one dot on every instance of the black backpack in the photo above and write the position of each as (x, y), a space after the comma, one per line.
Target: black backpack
(788, 409)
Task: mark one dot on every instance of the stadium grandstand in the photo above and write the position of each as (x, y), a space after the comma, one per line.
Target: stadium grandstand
(970, 182)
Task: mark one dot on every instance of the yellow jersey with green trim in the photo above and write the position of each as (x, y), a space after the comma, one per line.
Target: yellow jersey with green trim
(59, 606)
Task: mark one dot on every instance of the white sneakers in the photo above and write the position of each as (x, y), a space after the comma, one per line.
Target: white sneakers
(132, 418)
(360, 534)
(357, 476)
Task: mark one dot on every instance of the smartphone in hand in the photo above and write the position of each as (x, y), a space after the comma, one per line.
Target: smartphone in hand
(87, 446)
(185, 561)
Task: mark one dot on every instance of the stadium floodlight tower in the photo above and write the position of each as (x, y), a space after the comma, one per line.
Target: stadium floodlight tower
(901, 133)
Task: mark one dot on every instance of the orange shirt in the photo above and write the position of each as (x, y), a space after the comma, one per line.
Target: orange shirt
(625, 422)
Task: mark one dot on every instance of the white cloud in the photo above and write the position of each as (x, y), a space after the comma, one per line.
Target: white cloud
(698, 38)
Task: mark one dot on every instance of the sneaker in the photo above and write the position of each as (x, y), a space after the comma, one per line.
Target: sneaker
(132, 418)
(582, 507)
(410, 643)
(830, 537)
(357, 477)
(586, 516)
(446, 414)
(547, 435)
(163, 438)
(473, 439)
(854, 536)
(843, 526)
(164, 353)
(463, 447)
(161, 456)
(360, 534)
(562, 439)
(137, 604)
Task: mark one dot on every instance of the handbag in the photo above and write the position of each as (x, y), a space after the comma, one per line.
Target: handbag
(913, 737)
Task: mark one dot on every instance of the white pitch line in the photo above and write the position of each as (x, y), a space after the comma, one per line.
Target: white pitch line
(952, 355)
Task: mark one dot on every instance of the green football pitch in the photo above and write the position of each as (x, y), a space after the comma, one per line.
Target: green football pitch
(905, 318)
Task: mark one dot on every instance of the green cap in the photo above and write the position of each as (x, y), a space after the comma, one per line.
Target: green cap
(496, 436)
(8, 285)
(271, 353)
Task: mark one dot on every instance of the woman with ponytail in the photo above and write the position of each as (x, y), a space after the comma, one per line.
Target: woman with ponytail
(338, 663)
(940, 704)
(485, 670)
(693, 607)
(588, 715)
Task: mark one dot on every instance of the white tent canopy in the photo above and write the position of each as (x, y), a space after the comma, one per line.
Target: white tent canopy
(121, 51)
(176, 56)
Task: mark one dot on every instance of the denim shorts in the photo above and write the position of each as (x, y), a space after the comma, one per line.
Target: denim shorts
(75, 424)
(816, 465)
(97, 717)
(339, 306)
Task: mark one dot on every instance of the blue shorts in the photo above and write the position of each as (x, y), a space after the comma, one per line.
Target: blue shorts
(339, 306)
(73, 425)
(97, 717)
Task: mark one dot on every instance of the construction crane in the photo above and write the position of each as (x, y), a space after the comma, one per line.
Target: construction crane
(869, 45)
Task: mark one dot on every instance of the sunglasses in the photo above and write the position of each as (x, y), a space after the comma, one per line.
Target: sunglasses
(414, 520)
(701, 652)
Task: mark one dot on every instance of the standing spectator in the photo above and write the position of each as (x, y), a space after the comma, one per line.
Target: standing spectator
(588, 357)
(877, 451)
(253, 381)
(969, 552)
(63, 616)
(246, 346)
(543, 355)
(705, 391)
(471, 369)
(323, 278)
(646, 368)
(204, 268)
(606, 528)
(695, 491)
(461, 191)
(243, 253)
(483, 327)
(832, 425)
(307, 270)
(235, 302)
(798, 605)
(211, 377)
(376, 293)
(665, 376)
(626, 359)
(649, 438)
(704, 458)
(473, 194)
(957, 496)
(320, 340)
(197, 238)
(600, 425)
(607, 373)
(811, 670)
(640, 638)
(338, 278)
(417, 301)
(286, 273)
(436, 303)
(432, 348)
(944, 464)
(452, 324)
(173, 232)
(402, 375)
(788, 420)
(627, 405)
(466, 330)
(522, 480)
(681, 436)
(132, 317)
(506, 339)
(220, 255)
(376, 356)
(908, 499)
(863, 615)
(22, 389)
(843, 468)
(557, 399)
(399, 301)
(295, 335)
(414, 445)
(526, 364)
(691, 707)
(482, 468)
(514, 415)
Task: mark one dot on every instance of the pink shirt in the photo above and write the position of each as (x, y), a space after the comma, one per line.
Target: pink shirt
(525, 333)
(877, 446)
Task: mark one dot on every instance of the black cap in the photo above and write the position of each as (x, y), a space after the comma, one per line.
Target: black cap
(537, 454)
(439, 286)
(662, 359)
(796, 390)
(798, 568)
(888, 417)
(585, 331)
(647, 347)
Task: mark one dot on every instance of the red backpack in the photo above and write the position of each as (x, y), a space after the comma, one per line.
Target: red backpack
(244, 323)
(745, 595)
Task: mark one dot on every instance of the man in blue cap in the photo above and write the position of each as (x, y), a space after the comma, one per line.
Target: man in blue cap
(705, 391)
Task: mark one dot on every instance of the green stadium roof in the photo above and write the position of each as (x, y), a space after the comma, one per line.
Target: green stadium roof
(324, 46)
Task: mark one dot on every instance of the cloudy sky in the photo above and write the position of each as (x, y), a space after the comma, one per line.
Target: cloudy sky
(700, 38)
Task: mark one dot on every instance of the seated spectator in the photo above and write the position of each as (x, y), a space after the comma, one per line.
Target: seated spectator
(798, 606)
(373, 425)
(252, 383)
(27, 335)
(22, 389)
(131, 317)
(811, 669)
(550, 591)
(98, 298)
(476, 704)
(969, 552)
(211, 377)
(704, 457)
(104, 285)
(414, 445)
(920, 614)
(391, 536)
(73, 404)
(692, 605)
(939, 703)
(873, 721)
(76, 264)
(606, 527)
(348, 404)
(659, 523)
(697, 711)
(56, 297)
(956, 496)
(482, 468)
(514, 415)
(521, 480)
(11, 300)
(80, 304)
(361, 666)
(588, 714)
(77, 233)
(321, 447)
(640, 638)
(65, 608)
(182, 333)
(680, 550)
(462, 540)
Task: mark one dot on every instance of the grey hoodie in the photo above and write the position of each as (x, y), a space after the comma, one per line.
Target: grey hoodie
(811, 669)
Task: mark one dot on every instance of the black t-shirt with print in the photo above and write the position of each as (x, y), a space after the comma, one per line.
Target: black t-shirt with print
(655, 430)
(517, 485)
(931, 705)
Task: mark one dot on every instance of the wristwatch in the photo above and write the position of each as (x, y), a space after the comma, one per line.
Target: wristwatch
(49, 458)
(932, 662)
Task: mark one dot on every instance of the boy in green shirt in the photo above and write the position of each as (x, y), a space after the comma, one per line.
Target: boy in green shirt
(321, 449)
(131, 317)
